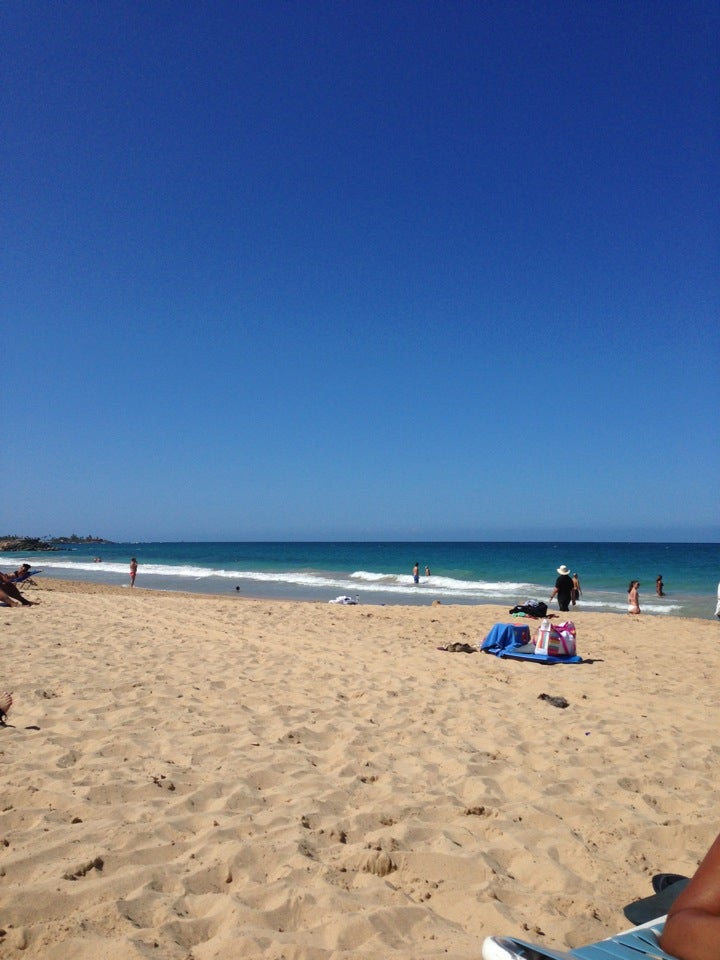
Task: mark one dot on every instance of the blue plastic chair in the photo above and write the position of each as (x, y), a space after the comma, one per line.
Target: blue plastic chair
(635, 944)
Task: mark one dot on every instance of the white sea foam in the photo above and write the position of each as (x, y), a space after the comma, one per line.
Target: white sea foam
(372, 577)
(195, 573)
(620, 606)
(445, 584)
(80, 567)
(358, 582)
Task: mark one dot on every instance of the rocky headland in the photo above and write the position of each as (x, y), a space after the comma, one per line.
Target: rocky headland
(14, 544)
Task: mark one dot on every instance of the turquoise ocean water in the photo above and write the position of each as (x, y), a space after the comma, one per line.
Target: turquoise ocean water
(377, 573)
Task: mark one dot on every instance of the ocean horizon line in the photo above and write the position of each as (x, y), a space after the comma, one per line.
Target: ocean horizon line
(373, 540)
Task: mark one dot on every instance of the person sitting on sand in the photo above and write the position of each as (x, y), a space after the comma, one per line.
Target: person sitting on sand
(10, 594)
(692, 928)
(633, 597)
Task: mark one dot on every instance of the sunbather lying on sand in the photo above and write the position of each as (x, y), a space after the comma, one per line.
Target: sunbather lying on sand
(692, 929)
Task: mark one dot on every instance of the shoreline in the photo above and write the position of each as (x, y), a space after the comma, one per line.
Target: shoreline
(51, 582)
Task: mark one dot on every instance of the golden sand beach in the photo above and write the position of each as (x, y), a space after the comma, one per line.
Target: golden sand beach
(214, 777)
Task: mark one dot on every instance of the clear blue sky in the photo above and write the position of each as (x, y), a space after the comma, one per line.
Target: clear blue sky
(361, 270)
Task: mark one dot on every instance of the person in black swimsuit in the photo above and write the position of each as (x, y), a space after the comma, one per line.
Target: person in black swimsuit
(563, 588)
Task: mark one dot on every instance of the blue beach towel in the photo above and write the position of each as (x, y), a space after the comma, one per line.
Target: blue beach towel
(537, 657)
(506, 636)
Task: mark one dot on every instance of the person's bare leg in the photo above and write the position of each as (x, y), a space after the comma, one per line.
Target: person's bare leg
(10, 590)
(5, 704)
(6, 598)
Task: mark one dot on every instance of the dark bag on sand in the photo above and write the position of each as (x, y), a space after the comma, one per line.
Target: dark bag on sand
(531, 608)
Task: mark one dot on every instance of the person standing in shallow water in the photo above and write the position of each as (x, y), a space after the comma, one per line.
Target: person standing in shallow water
(576, 590)
(659, 586)
(416, 572)
(133, 571)
(563, 588)
(634, 597)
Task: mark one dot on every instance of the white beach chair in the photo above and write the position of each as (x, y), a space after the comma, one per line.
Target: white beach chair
(635, 944)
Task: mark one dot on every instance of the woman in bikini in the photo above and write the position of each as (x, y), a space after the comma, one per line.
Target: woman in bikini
(633, 598)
